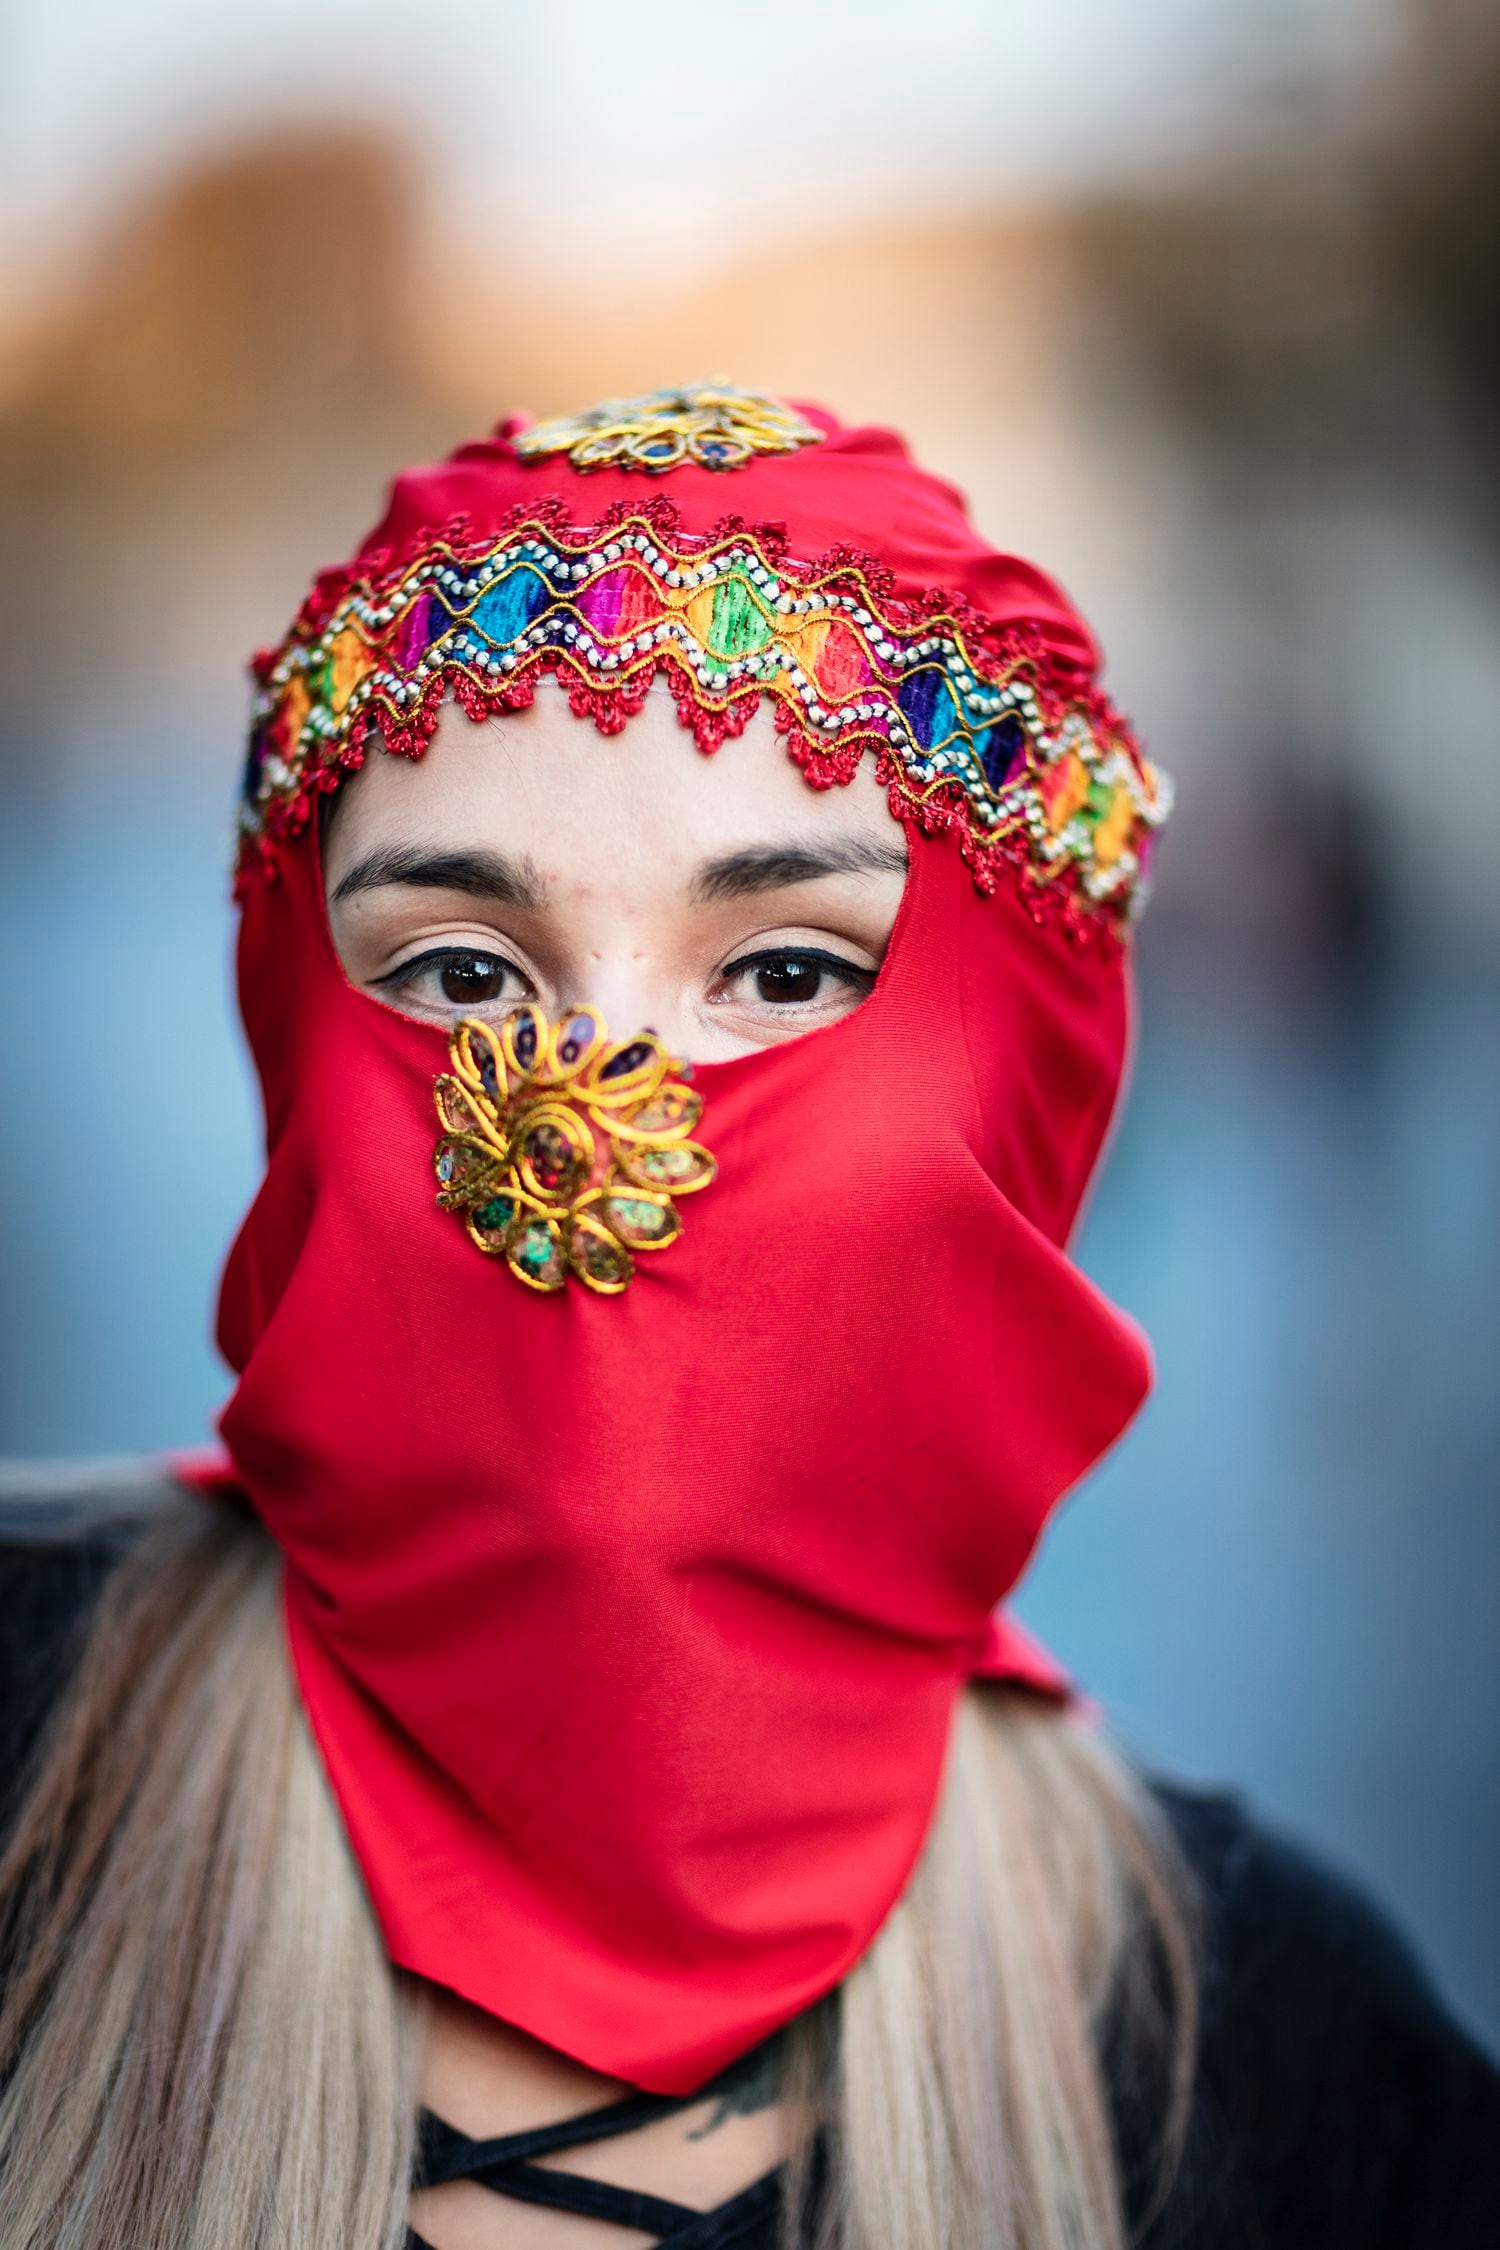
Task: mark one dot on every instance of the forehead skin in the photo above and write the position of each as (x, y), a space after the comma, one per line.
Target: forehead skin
(623, 819)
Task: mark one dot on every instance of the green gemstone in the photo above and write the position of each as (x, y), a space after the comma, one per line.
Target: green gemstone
(495, 1214)
(535, 1249)
(638, 1220)
(737, 624)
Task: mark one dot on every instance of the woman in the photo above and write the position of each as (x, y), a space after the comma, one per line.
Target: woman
(563, 1775)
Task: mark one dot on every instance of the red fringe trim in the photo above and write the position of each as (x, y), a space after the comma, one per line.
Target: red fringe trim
(944, 812)
(998, 650)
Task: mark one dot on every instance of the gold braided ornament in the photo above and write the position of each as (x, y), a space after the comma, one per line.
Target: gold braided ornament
(710, 426)
(562, 1152)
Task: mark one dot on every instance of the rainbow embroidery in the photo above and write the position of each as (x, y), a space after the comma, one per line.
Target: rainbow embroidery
(967, 726)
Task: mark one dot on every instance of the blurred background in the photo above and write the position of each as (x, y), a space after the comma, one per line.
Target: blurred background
(1200, 303)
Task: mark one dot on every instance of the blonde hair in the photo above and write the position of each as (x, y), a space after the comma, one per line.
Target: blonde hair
(205, 2046)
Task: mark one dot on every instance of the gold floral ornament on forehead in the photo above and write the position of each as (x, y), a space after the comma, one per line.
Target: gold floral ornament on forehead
(712, 426)
(562, 1153)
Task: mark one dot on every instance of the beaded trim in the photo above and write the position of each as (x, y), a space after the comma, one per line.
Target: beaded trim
(971, 728)
(711, 426)
(562, 1153)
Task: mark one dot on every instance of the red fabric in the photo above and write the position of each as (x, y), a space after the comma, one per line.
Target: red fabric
(860, 487)
(631, 1629)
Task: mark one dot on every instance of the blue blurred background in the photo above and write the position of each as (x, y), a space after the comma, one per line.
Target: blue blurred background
(1198, 305)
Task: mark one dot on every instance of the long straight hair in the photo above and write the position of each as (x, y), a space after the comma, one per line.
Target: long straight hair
(205, 2047)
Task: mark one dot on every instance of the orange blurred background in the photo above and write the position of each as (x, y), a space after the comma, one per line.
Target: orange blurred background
(1200, 308)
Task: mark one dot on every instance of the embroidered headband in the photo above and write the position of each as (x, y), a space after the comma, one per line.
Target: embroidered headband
(980, 718)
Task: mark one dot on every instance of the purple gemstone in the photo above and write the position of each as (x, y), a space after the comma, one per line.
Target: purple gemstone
(1001, 749)
(633, 1057)
(579, 1031)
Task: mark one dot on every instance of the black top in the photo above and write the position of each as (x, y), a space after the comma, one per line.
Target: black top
(1338, 2104)
(749, 2220)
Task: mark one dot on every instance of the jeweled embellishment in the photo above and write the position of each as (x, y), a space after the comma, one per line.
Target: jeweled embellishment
(563, 1152)
(712, 426)
(973, 730)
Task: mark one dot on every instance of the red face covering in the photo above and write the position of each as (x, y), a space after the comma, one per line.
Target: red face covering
(630, 1626)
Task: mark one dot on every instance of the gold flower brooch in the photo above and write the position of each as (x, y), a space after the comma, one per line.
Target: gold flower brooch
(563, 1153)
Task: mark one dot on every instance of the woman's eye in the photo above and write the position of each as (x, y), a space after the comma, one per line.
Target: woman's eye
(795, 978)
(471, 977)
(790, 980)
(455, 977)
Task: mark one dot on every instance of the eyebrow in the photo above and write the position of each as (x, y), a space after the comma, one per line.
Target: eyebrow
(773, 867)
(492, 876)
(502, 880)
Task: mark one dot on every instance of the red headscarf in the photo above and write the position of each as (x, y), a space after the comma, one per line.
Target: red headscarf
(630, 1596)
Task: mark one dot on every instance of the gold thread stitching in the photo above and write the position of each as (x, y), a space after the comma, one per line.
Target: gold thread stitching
(305, 731)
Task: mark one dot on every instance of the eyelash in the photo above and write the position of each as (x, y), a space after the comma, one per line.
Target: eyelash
(406, 973)
(440, 957)
(815, 955)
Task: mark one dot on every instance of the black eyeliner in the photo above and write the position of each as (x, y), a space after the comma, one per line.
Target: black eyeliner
(445, 953)
(812, 953)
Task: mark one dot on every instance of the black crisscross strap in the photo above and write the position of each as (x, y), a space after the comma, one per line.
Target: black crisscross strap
(506, 2163)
